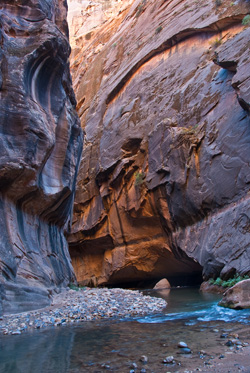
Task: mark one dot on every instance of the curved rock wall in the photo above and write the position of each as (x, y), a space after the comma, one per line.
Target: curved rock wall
(41, 142)
(163, 96)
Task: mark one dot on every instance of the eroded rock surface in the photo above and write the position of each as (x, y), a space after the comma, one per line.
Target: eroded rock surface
(206, 287)
(40, 148)
(162, 91)
(238, 296)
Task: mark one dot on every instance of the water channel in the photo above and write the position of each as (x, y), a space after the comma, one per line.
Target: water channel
(116, 345)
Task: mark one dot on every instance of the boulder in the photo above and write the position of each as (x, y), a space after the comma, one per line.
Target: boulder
(238, 296)
(162, 284)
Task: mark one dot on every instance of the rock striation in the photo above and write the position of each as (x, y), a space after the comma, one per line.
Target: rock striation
(163, 96)
(40, 149)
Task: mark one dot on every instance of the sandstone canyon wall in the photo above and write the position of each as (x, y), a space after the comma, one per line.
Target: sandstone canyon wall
(163, 96)
(40, 149)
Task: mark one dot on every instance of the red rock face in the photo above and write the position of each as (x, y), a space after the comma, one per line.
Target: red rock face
(40, 148)
(162, 91)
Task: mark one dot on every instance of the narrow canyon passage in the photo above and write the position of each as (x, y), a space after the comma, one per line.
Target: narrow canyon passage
(121, 164)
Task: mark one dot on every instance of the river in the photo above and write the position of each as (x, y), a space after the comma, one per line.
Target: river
(117, 345)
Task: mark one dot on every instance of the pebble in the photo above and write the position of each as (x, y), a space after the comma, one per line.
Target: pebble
(144, 359)
(184, 350)
(168, 360)
(182, 344)
(234, 335)
(73, 306)
(236, 342)
(207, 362)
(16, 332)
(229, 343)
(224, 335)
(105, 366)
(133, 366)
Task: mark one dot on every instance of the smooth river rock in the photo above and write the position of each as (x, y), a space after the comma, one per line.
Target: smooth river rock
(40, 149)
(162, 284)
(238, 296)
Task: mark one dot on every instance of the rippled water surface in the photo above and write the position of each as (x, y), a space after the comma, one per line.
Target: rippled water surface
(191, 305)
(116, 345)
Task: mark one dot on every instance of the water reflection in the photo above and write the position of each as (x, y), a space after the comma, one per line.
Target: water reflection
(36, 352)
(185, 299)
(87, 346)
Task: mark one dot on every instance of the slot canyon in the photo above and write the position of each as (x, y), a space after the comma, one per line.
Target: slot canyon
(127, 160)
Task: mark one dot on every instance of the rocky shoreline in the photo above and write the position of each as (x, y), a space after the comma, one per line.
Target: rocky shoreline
(72, 306)
(214, 346)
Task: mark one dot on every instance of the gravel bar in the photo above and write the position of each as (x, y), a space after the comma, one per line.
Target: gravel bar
(73, 306)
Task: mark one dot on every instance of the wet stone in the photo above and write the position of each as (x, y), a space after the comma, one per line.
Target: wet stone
(144, 359)
(184, 350)
(133, 366)
(106, 366)
(16, 332)
(207, 362)
(229, 343)
(202, 352)
(224, 335)
(182, 344)
(168, 360)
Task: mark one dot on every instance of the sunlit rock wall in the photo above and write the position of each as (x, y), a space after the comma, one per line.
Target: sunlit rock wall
(40, 149)
(163, 95)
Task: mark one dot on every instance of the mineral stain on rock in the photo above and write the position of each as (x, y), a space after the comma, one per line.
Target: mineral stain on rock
(40, 149)
(163, 186)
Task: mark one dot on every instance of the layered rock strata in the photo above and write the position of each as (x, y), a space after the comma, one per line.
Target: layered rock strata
(163, 96)
(40, 149)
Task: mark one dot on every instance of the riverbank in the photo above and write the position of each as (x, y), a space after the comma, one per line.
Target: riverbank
(128, 347)
(147, 343)
(75, 306)
(215, 347)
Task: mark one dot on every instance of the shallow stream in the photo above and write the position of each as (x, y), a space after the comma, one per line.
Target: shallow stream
(116, 345)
